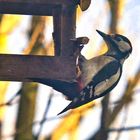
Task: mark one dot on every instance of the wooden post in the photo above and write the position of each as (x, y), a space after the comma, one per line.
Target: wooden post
(57, 30)
(68, 25)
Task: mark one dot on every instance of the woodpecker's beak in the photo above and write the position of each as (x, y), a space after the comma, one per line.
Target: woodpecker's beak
(105, 36)
(108, 38)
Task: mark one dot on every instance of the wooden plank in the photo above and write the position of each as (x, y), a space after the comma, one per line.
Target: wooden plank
(22, 67)
(32, 7)
(52, 2)
(26, 8)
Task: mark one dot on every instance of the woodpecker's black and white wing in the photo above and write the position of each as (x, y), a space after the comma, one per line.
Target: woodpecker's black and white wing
(99, 76)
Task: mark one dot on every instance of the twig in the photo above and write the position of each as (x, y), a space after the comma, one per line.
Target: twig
(10, 102)
(130, 128)
(44, 117)
(40, 122)
(118, 101)
(34, 123)
(123, 122)
(39, 29)
(104, 118)
(127, 96)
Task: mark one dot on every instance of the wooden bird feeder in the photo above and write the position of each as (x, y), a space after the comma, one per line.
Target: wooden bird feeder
(59, 67)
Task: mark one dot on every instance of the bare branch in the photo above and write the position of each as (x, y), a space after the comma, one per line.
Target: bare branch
(10, 102)
(130, 128)
(44, 116)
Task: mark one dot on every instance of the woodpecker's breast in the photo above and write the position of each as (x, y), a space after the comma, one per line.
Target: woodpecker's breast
(91, 68)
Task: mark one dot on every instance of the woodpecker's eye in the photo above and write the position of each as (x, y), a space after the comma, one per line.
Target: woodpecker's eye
(118, 38)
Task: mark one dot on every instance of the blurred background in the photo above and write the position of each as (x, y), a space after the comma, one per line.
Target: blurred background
(28, 110)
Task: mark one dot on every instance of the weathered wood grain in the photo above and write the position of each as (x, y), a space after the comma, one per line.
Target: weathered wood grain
(22, 67)
(32, 7)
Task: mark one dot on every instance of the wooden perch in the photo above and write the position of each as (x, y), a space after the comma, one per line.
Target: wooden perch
(62, 66)
(22, 67)
(33, 7)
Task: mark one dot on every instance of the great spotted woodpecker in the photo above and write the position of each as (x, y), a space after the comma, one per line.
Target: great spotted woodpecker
(99, 75)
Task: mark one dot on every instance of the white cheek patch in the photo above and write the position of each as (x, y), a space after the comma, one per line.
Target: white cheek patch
(124, 46)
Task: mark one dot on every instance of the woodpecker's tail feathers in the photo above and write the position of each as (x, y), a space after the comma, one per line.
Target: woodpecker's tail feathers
(65, 109)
